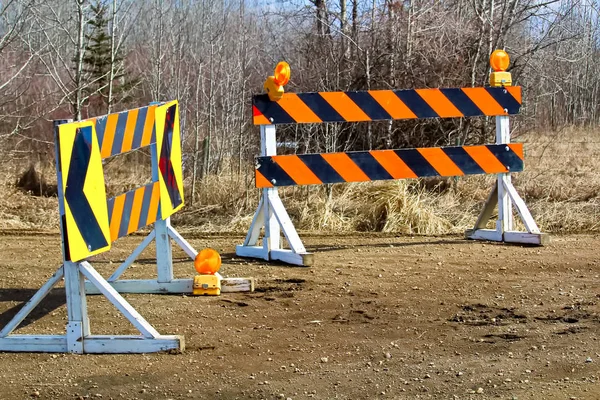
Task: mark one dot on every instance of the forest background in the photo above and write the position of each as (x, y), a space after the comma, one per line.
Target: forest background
(84, 58)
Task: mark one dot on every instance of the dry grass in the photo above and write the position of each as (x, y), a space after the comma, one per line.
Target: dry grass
(394, 206)
(561, 181)
(560, 185)
(20, 210)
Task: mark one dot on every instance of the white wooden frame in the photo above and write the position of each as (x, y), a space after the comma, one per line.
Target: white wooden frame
(272, 215)
(505, 196)
(165, 283)
(78, 338)
(162, 234)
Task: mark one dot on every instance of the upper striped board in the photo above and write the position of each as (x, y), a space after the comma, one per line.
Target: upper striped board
(140, 207)
(373, 105)
(126, 131)
(361, 166)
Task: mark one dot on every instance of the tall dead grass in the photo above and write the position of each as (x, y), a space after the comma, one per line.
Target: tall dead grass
(561, 181)
(560, 184)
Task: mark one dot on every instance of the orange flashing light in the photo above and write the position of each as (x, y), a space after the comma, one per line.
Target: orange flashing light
(274, 84)
(499, 60)
(207, 262)
(282, 73)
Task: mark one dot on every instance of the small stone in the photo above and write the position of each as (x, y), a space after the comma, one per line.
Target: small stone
(143, 391)
(459, 373)
(480, 390)
(388, 355)
(324, 359)
(588, 360)
(35, 394)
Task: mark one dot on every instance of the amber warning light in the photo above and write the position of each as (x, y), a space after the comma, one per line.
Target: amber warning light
(208, 261)
(499, 61)
(274, 84)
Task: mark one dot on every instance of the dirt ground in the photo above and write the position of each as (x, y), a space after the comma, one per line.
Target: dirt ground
(377, 317)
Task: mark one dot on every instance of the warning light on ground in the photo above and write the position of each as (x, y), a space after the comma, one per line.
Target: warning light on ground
(208, 261)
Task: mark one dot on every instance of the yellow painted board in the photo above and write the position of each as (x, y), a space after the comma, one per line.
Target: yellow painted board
(93, 192)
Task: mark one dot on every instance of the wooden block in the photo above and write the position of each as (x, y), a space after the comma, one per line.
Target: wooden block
(232, 285)
(540, 239)
(34, 343)
(484, 234)
(106, 344)
(252, 252)
(289, 257)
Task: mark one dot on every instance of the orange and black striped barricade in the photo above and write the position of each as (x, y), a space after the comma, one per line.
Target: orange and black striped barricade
(502, 158)
(90, 223)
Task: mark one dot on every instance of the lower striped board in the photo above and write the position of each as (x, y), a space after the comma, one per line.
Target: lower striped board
(361, 166)
(133, 210)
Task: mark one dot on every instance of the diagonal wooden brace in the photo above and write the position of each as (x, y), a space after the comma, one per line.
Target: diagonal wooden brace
(273, 217)
(505, 196)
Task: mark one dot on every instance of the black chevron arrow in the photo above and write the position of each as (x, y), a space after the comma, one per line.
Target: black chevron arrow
(80, 207)
(165, 164)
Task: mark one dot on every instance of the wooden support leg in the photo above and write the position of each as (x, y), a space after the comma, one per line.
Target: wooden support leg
(505, 196)
(132, 257)
(271, 215)
(164, 258)
(32, 303)
(78, 325)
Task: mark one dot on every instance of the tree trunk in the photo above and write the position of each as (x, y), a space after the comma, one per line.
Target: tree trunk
(79, 51)
(111, 77)
(344, 42)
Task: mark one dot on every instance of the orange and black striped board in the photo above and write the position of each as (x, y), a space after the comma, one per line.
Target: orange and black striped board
(133, 210)
(360, 166)
(373, 105)
(125, 131)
